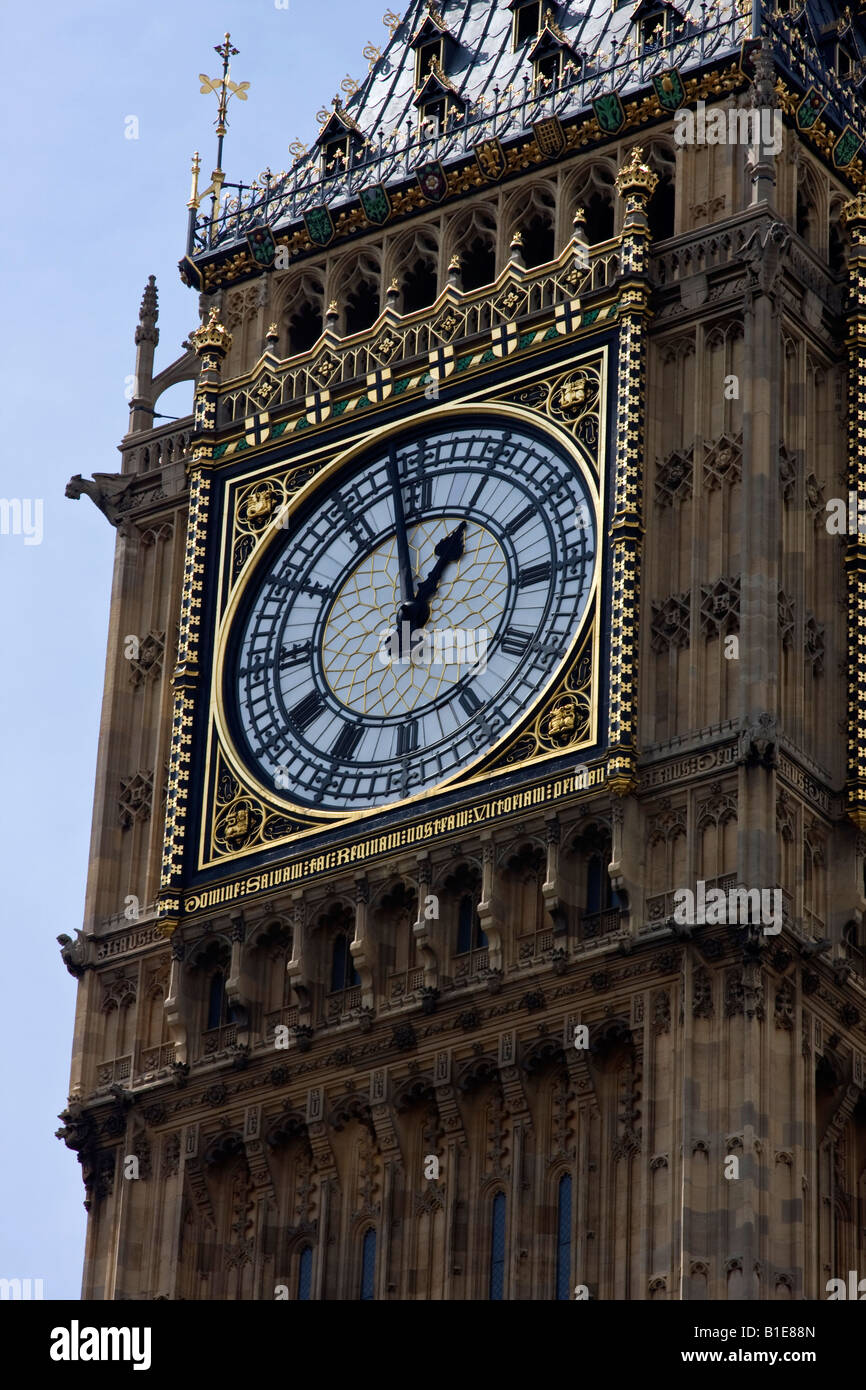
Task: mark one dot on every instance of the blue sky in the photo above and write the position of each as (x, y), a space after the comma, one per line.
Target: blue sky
(89, 215)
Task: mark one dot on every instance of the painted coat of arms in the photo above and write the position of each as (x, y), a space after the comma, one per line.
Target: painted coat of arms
(262, 246)
(376, 203)
(669, 89)
(320, 226)
(490, 158)
(432, 181)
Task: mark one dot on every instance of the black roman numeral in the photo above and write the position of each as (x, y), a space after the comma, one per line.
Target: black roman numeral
(422, 497)
(297, 654)
(309, 709)
(515, 641)
(536, 574)
(407, 738)
(346, 742)
(520, 520)
(469, 700)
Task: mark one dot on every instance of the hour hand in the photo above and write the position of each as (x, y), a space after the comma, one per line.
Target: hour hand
(447, 552)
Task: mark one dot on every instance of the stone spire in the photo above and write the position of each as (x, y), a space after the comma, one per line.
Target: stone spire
(146, 339)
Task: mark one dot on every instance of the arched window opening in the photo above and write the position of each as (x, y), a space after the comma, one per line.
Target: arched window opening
(368, 1267)
(305, 1274)
(478, 263)
(599, 218)
(418, 285)
(661, 208)
(497, 1249)
(539, 242)
(305, 327)
(470, 936)
(563, 1240)
(343, 972)
(362, 307)
(217, 1004)
(595, 876)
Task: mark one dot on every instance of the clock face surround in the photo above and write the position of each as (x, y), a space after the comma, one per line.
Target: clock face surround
(423, 598)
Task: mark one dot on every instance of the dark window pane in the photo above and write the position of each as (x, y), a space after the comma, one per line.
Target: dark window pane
(594, 885)
(497, 1249)
(563, 1240)
(215, 1000)
(305, 1274)
(465, 925)
(338, 963)
(368, 1266)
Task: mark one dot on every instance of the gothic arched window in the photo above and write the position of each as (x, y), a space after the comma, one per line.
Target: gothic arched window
(343, 972)
(563, 1239)
(497, 1248)
(368, 1266)
(305, 1273)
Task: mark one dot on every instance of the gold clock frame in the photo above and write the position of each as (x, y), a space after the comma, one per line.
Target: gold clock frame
(254, 802)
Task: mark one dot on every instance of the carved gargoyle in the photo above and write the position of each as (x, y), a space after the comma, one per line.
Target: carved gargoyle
(759, 743)
(73, 953)
(104, 491)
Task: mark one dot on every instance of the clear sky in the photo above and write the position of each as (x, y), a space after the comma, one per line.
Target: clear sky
(89, 215)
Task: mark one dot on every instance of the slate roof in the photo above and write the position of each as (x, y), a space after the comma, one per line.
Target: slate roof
(602, 52)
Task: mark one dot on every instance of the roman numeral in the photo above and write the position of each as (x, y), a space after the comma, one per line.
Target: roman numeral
(297, 654)
(422, 497)
(407, 738)
(469, 700)
(281, 587)
(477, 493)
(515, 641)
(309, 709)
(536, 574)
(346, 742)
(520, 520)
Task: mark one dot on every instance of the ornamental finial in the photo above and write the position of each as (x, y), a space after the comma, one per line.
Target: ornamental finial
(636, 175)
(211, 336)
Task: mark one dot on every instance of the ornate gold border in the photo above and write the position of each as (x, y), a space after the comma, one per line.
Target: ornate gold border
(574, 685)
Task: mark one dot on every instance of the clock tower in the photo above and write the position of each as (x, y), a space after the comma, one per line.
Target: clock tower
(477, 871)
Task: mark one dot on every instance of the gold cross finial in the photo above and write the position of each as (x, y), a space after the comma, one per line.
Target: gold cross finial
(224, 89)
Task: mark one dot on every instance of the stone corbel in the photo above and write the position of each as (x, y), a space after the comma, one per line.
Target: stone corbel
(489, 910)
(553, 905)
(512, 1080)
(236, 993)
(193, 1174)
(422, 930)
(175, 1003)
(257, 1154)
(362, 948)
(577, 1063)
(446, 1101)
(382, 1113)
(296, 968)
(318, 1134)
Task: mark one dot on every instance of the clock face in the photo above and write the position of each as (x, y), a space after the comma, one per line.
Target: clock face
(417, 607)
